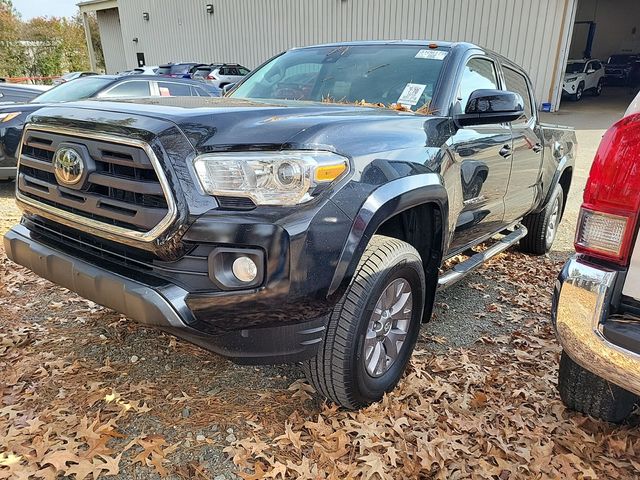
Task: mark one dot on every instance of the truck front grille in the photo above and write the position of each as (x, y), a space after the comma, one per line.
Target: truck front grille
(123, 193)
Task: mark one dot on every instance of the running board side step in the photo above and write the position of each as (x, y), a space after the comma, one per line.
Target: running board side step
(462, 269)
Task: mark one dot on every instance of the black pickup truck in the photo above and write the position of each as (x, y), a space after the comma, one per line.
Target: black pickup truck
(304, 217)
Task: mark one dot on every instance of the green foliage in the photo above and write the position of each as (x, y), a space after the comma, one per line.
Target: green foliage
(44, 46)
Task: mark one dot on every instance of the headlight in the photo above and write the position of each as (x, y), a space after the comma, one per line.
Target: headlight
(5, 117)
(571, 79)
(269, 178)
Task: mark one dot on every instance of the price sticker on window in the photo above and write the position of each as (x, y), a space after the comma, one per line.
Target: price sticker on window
(411, 94)
(431, 54)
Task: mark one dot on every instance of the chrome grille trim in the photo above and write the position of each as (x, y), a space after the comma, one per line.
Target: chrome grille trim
(95, 227)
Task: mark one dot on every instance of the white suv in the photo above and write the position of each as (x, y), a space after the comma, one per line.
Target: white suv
(582, 76)
(220, 75)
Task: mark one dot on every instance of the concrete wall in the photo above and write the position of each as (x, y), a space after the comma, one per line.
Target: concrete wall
(617, 27)
(533, 33)
(111, 39)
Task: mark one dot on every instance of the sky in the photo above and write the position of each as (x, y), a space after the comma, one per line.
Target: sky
(46, 8)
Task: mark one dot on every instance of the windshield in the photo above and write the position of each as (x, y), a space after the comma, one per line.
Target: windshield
(619, 59)
(577, 67)
(181, 69)
(78, 89)
(377, 74)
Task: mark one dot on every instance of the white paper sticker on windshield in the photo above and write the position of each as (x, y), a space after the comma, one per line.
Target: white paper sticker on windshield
(431, 54)
(411, 94)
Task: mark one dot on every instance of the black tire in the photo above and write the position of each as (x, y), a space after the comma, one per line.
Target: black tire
(588, 393)
(579, 93)
(598, 90)
(536, 241)
(338, 371)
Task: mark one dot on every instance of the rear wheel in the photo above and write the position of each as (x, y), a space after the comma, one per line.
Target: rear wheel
(542, 227)
(372, 331)
(588, 393)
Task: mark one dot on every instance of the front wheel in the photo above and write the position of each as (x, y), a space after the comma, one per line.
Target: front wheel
(542, 227)
(579, 91)
(372, 331)
(598, 90)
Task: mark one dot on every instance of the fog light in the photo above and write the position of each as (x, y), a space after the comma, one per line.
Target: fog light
(244, 269)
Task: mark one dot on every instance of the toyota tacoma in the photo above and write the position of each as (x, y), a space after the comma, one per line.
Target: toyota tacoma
(305, 216)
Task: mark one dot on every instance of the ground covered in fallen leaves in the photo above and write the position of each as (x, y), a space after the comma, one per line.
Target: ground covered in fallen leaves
(85, 393)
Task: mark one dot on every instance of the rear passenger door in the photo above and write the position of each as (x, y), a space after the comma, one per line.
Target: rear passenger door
(526, 161)
(483, 154)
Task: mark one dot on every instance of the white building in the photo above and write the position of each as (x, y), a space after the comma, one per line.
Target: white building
(536, 34)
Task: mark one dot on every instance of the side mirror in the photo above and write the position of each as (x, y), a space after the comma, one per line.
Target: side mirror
(590, 71)
(227, 88)
(486, 107)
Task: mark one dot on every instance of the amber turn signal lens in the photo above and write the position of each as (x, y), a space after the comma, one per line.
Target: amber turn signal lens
(329, 173)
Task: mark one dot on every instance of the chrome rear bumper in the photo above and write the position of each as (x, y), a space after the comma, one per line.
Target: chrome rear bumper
(580, 308)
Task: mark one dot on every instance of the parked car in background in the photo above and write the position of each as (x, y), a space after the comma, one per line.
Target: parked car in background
(220, 75)
(146, 70)
(619, 67)
(16, 93)
(288, 223)
(13, 117)
(72, 76)
(178, 70)
(596, 304)
(583, 76)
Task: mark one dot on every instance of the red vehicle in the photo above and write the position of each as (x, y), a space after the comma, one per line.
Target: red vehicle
(596, 307)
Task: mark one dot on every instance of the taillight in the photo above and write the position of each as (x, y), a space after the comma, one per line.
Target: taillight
(609, 213)
(211, 76)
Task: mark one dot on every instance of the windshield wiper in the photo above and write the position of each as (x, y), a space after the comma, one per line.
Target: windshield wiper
(376, 68)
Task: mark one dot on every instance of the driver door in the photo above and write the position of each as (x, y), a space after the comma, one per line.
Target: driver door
(483, 156)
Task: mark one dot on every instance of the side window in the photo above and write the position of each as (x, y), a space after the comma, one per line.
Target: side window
(170, 89)
(517, 83)
(479, 73)
(243, 71)
(596, 66)
(128, 90)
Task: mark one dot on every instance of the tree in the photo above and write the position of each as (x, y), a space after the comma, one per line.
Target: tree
(11, 51)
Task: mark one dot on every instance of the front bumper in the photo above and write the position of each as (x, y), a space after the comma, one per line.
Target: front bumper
(580, 312)
(569, 88)
(161, 305)
(7, 173)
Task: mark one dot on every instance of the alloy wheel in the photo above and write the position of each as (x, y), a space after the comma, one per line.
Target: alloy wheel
(388, 327)
(552, 225)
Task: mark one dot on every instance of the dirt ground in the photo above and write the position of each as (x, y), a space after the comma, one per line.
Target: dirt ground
(86, 393)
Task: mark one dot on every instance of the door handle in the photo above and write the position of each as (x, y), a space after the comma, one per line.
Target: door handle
(537, 148)
(505, 151)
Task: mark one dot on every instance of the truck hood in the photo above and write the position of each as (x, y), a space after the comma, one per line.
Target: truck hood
(213, 124)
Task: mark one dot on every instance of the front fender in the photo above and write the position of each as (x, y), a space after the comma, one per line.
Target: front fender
(383, 203)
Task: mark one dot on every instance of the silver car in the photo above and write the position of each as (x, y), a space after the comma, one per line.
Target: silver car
(220, 75)
(71, 76)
